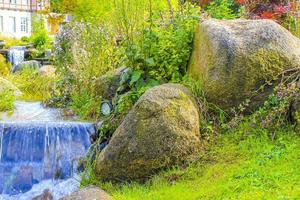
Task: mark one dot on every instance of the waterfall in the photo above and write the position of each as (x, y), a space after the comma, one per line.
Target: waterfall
(37, 153)
(16, 55)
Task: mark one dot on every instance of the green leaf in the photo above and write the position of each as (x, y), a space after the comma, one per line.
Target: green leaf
(136, 75)
(150, 62)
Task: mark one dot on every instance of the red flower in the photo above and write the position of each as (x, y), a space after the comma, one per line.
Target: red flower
(240, 2)
(267, 15)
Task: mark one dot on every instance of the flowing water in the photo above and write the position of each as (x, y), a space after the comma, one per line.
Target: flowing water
(16, 55)
(38, 151)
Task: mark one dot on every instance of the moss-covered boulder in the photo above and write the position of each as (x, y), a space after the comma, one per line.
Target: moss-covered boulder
(161, 131)
(6, 85)
(234, 58)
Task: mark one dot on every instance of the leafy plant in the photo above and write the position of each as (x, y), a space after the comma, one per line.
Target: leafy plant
(40, 37)
(163, 49)
(223, 9)
(85, 105)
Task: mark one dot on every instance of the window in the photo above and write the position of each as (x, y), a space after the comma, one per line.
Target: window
(1, 24)
(24, 24)
(24, 2)
(13, 1)
(12, 24)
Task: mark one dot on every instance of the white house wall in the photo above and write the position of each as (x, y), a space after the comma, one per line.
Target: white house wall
(7, 24)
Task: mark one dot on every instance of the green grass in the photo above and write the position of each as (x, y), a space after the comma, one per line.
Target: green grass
(7, 99)
(9, 41)
(33, 86)
(244, 164)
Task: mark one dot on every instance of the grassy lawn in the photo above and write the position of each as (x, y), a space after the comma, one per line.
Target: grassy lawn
(245, 164)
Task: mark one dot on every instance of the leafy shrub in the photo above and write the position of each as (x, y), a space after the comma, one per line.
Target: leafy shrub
(25, 39)
(41, 40)
(40, 37)
(7, 99)
(223, 9)
(164, 47)
(85, 105)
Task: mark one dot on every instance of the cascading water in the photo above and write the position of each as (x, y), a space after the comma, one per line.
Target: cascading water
(40, 153)
(16, 55)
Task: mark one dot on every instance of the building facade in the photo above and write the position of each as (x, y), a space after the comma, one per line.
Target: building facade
(16, 16)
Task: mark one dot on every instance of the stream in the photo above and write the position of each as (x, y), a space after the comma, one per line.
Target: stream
(40, 150)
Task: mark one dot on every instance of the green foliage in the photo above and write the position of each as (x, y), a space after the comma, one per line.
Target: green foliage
(33, 86)
(153, 40)
(163, 49)
(40, 37)
(25, 39)
(7, 100)
(223, 9)
(85, 106)
(4, 66)
(9, 41)
(293, 24)
(83, 53)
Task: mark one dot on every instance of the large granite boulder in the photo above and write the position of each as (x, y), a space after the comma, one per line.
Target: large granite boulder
(6, 85)
(88, 193)
(161, 131)
(234, 58)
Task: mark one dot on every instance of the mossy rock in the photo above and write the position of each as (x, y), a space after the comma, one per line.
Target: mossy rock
(161, 131)
(235, 58)
(108, 84)
(6, 85)
(295, 112)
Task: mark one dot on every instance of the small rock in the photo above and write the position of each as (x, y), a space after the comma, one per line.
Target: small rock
(47, 70)
(88, 193)
(45, 196)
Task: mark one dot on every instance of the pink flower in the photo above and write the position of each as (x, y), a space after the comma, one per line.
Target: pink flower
(279, 9)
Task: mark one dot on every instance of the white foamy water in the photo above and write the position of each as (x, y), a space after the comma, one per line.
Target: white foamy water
(36, 147)
(31, 111)
(58, 188)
